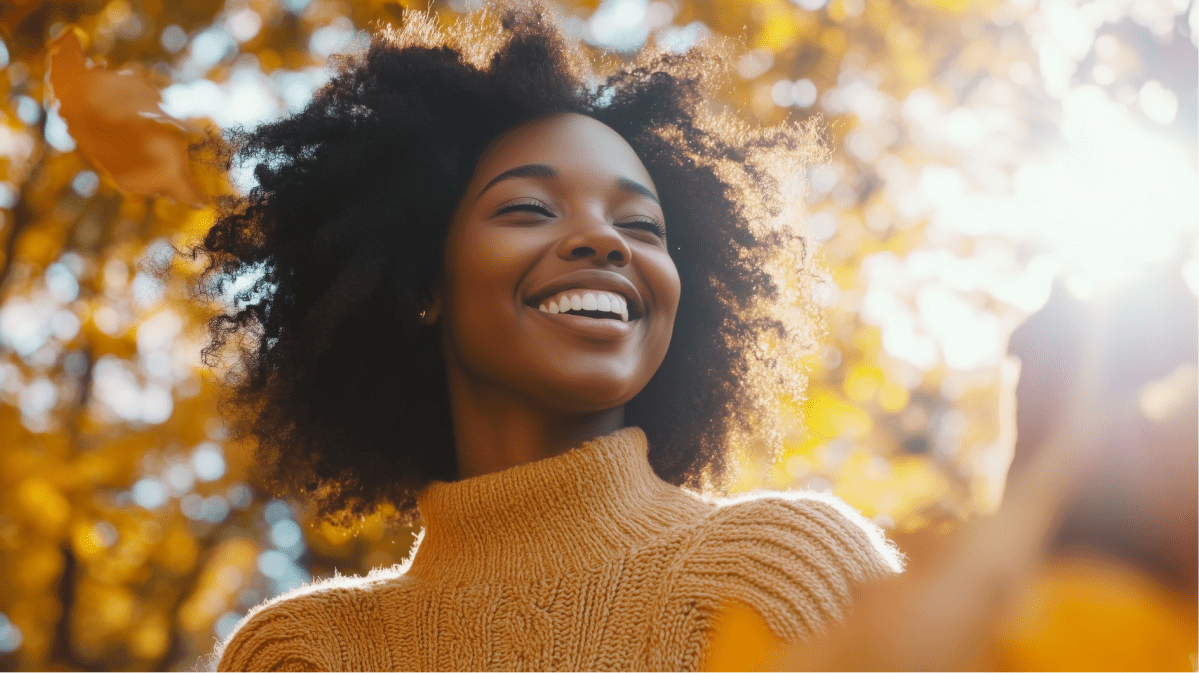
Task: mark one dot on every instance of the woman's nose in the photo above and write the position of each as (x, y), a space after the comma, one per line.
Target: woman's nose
(598, 240)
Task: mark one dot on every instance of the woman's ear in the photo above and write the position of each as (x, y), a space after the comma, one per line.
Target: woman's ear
(430, 312)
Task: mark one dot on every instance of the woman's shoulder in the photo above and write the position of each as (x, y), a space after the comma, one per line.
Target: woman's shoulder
(815, 519)
(792, 556)
(304, 629)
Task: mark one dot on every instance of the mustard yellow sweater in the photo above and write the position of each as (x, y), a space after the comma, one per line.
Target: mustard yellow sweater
(585, 560)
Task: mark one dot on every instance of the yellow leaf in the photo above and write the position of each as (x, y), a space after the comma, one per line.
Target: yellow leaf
(225, 573)
(152, 637)
(37, 567)
(85, 540)
(178, 550)
(43, 505)
(782, 27)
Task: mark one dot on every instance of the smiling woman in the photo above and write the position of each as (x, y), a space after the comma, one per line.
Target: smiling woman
(570, 220)
(528, 307)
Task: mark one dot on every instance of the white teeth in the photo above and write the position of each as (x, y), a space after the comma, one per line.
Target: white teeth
(620, 306)
(607, 302)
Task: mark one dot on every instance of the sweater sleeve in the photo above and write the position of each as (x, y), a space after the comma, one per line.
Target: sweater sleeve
(284, 635)
(790, 557)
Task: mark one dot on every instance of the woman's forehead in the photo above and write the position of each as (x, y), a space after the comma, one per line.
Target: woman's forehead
(573, 145)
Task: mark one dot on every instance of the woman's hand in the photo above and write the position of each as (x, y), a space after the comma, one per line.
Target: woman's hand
(944, 611)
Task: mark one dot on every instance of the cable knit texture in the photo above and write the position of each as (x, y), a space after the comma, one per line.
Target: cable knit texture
(583, 561)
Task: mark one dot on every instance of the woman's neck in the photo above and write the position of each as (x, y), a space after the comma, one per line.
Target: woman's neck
(495, 430)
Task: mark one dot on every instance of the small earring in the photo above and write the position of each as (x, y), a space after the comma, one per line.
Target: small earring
(422, 315)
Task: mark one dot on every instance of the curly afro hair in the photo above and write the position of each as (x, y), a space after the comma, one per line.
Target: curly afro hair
(332, 255)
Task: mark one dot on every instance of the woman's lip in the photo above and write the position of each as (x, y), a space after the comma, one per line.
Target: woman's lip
(594, 328)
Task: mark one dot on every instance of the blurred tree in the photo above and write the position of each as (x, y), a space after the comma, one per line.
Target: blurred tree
(130, 535)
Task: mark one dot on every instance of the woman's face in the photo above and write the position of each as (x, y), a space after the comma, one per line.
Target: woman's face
(558, 287)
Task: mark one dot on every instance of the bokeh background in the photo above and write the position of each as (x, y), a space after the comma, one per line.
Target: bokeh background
(987, 155)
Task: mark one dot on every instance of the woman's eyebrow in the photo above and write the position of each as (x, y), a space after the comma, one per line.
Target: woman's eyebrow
(628, 185)
(543, 172)
(527, 171)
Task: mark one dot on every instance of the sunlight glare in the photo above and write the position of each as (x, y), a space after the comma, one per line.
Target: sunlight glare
(1115, 199)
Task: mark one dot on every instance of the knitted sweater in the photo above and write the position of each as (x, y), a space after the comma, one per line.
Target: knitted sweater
(586, 560)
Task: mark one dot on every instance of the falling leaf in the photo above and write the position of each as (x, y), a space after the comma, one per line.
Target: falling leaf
(117, 123)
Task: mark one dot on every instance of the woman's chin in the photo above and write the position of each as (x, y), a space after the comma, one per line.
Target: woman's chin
(588, 393)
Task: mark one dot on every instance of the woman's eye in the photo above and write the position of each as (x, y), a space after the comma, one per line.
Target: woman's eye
(525, 206)
(653, 226)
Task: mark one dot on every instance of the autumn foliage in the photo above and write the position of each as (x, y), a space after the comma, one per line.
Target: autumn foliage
(981, 149)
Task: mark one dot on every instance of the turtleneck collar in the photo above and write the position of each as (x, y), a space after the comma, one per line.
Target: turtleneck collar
(567, 513)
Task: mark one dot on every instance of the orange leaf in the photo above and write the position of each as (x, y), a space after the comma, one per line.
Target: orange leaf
(742, 641)
(118, 125)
